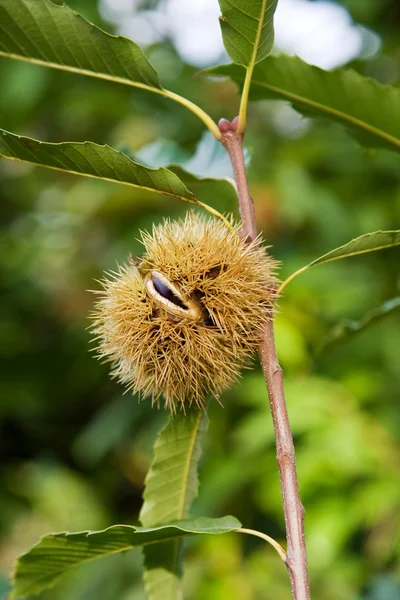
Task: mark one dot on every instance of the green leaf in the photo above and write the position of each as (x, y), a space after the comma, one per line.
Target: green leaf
(93, 160)
(45, 33)
(56, 553)
(100, 162)
(171, 486)
(378, 240)
(346, 329)
(370, 110)
(247, 29)
(53, 35)
(369, 242)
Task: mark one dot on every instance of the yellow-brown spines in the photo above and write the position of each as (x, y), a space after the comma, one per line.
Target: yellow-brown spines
(160, 345)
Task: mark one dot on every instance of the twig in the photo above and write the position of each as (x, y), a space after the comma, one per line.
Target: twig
(296, 557)
(233, 144)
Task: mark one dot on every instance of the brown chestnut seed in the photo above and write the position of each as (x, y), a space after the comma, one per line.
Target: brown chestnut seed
(167, 296)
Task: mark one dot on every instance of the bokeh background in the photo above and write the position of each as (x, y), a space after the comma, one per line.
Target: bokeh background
(74, 450)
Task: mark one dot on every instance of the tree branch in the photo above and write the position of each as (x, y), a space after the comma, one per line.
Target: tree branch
(296, 557)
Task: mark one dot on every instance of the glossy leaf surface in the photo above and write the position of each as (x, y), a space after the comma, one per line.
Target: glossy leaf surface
(171, 487)
(370, 110)
(56, 553)
(48, 34)
(247, 29)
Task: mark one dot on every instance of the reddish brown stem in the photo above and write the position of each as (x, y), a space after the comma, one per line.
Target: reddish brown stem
(296, 559)
(233, 144)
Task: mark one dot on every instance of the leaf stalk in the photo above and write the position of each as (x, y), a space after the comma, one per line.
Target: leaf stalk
(199, 112)
(244, 100)
(266, 538)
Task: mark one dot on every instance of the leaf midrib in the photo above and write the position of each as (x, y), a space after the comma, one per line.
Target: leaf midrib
(325, 258)
(188, 461)
(258, 35)
(80, 71)
(322, 260)
(186, 471)
(332, 111)
(109, 553)
(142, 187)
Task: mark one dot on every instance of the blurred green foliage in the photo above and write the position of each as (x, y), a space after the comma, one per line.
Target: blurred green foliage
(74, 450)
